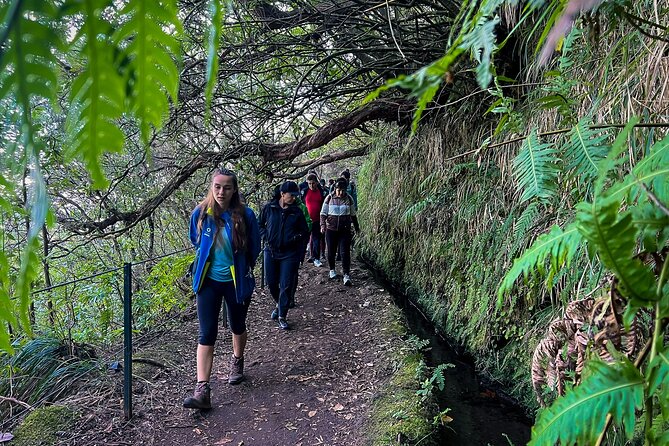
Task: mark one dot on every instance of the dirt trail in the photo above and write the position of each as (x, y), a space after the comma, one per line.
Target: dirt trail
(312, 385)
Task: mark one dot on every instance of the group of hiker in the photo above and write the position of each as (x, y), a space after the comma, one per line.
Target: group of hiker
(229, 238)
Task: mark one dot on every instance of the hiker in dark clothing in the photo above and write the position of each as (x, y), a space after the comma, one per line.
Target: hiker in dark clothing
(284, 229)
(226, 235)
(337, 216)
(313, 198)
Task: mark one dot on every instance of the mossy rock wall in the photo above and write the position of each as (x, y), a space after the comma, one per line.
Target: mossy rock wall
(445, 230)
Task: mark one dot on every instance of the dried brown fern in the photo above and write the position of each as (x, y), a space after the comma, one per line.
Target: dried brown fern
(587, 323)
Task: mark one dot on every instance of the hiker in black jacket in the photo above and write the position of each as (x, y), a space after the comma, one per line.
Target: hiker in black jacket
(284, 229)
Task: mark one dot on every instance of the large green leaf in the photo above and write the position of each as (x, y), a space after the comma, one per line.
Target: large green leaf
(579, 416)
(535, 169)
(149, 41)
(583, 151)
(97, 94)
(613, 236)
(559, 246)
(213, 44)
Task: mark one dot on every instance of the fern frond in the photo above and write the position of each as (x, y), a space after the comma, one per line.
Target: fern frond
(558, 245)
(613, 159)
(583, 151)
(614, 237)
(522, 226)
(579, 416)
(415, 209)
(651, 221)
(535, 170)
(97, 96)
(481, 42)
(149, 47)
(652, 172)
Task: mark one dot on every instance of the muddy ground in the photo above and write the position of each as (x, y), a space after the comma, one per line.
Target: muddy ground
(311, 385)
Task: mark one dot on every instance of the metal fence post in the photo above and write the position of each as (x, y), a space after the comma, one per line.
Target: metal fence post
(127, 340)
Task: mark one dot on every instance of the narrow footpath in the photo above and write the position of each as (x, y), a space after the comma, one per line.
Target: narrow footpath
(311, 385)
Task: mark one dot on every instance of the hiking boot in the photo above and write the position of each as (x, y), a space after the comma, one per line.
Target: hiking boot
(275, 314)
(283, 325)
(236, 374)
(347, 280)
(333, 274)
(317, 263)
(201, 398)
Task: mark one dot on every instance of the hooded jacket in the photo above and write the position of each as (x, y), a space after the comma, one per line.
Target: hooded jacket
(284, 230)
(243, 261)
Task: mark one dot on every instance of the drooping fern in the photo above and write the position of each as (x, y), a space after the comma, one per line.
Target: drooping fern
(28, 72)
(559, 246)
(535, 169)
(480, 40)
(614, 237)
(97, 94)
(579, 416)
(583, 151)
(148, 38)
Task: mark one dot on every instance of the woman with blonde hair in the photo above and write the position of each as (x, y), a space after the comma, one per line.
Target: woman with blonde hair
(225, 233)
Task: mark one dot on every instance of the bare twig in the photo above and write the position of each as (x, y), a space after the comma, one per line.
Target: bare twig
(9, 399)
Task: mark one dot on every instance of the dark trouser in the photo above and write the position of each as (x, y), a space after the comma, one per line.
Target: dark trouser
(341, 239)
(322, 245)
(281, 276)
(315, 242)
(209, 301)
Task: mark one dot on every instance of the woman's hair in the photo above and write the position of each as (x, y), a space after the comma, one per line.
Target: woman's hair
(312, 177)
(341, 184)
(236, 207)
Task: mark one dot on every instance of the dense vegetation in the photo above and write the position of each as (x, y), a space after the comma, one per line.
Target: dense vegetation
(113, 112)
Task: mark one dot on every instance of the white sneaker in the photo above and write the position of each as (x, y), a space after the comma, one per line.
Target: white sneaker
(347, 280)
(317, 263)
(333, 274)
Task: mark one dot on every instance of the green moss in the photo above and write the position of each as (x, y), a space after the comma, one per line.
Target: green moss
(397, 411)
(41, 427)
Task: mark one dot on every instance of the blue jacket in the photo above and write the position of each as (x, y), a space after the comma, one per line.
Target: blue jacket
(242, 270)
(285, 231)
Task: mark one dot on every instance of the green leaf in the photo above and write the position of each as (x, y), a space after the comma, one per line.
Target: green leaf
(613, 235)
(97, 97)
(535, 170)
(659, 373)
(27, 274)
(480, 41)
(558, 245)
(213, 44)
(613, 159)
(651, 173)
(584, 150)
(150, 35)
(579, 416)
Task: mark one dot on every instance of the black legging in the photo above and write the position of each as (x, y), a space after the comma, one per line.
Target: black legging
(209, 301)
(341, 239)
